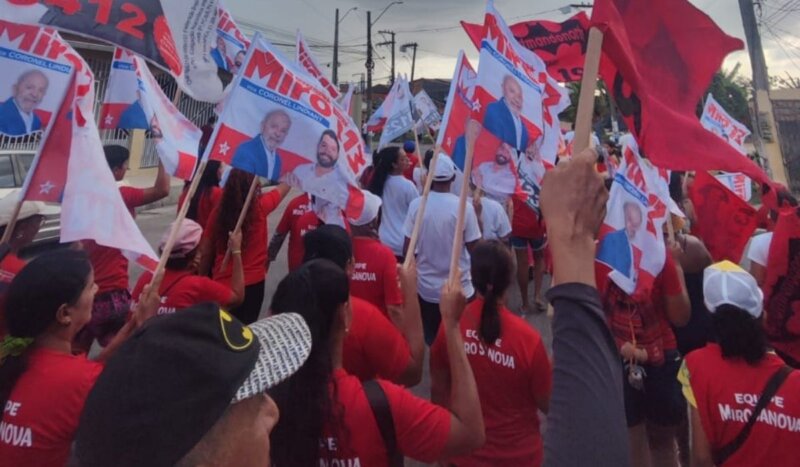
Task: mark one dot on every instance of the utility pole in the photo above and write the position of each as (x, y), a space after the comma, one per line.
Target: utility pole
(335, 72)
(370, 64)
(763, 119)
(389, 43)
(405, 47)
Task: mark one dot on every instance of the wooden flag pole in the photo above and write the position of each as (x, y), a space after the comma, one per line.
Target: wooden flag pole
(591, 67)
(242, 215)
(173, 234)
(458, 240)
(412, 244)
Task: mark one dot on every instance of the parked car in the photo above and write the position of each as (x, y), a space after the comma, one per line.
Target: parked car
(14, 165)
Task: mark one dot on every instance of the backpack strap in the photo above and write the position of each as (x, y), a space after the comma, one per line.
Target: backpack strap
(383, 416)
(775, 381)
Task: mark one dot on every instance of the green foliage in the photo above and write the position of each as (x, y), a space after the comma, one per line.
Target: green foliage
(731, 92)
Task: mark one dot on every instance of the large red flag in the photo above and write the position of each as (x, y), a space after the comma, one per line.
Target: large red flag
(660, 58)
(725, 221)
(782, 286)
(562, 46)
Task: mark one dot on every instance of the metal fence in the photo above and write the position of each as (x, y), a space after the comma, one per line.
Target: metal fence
(197, 112)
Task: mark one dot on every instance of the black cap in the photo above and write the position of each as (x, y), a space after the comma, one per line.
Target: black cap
(169, 383)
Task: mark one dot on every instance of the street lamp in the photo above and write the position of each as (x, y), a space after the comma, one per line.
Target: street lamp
(347, 13)
(384, 11)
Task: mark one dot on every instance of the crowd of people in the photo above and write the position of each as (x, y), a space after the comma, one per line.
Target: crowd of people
(198, 367)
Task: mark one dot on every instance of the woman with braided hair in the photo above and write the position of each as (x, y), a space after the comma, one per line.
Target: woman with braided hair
(509, 361)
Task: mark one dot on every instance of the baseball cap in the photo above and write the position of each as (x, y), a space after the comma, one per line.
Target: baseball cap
(372, 205)
(445, 170)
(169, 383)
(409, 146)
(28, 208)
(725, 283)
(189, 234)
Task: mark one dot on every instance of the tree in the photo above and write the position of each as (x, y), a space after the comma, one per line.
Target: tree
(731, 92)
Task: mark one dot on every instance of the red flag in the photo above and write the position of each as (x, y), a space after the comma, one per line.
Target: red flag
(725, 222)
(782, 286)
(562, 46)
(661, 56)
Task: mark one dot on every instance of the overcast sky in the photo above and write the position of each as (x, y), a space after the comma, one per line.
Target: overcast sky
(433, 24)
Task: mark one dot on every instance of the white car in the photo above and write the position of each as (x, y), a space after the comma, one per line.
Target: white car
(14, 165)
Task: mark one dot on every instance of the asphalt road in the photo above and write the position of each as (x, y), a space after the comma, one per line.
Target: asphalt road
(155, 222)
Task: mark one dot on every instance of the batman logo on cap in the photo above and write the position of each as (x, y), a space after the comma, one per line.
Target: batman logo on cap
(236, 335)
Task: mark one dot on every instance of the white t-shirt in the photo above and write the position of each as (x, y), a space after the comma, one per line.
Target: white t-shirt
(435, 243)
(759, 249)
(494, 220)
(398, 193)
(331, 186)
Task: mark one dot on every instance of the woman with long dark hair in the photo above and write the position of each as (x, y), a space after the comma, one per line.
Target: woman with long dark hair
(509, 360)
(735, 380)
(327, 415)
(397, 193)
(43, 386)
(207, 195)
(254, 240)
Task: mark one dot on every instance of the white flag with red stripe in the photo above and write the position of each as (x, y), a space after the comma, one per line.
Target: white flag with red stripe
(231, 43)
(70, 167)
(281, 124)
(306, 60)
(121, 107)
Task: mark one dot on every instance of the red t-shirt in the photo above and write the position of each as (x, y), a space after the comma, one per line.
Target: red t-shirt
(295, 208)
(209, 199)
(511, 375)
(9, 268)
(647, 317)
(375, 275)
(304, 224)
(421, 428)
(413, 161)
(110, 266)
(42, 412)
(526, 223)
(374, 347)
(254, 242)
(726, 390)
(182, 289)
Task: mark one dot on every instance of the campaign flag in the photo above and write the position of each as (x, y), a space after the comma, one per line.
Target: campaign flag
(562, 46)
(281, 124)
(716, 120)
(495, 166)
(177, 138)
(399, 119)
(457, 110)
(175, 35)
(631, 239)
(657, 73)
(36, 76)
(306, 60)
(427, 111)
(70, 168)
(121, 107)
(781, 286)
(231, 43)
(725, 222)
(346, 101)
(508, 91)
(737, 183)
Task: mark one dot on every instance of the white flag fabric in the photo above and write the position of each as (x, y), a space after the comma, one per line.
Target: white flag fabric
(427, 111)
(121, 108)
(36, 76)
(281, 124)
(399, 119)
(346, 101)
(306, 60)
(175, 35)
(716, 120)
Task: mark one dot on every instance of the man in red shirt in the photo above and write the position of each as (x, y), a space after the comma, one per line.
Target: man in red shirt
(181, 286)
(290, 225)
(113, 300)
(374, 276)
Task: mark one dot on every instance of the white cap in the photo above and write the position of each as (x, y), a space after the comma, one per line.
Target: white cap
(28, 209)
(445, 170)
(725, 283)
(372, 204)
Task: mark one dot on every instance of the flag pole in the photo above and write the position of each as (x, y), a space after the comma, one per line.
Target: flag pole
(412, 244)
(173, 234)
(458, 240)
(242, 215)
(591, 67)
